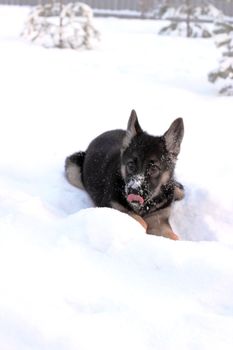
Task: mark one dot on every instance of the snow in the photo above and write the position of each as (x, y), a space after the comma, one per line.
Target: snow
(77, 277)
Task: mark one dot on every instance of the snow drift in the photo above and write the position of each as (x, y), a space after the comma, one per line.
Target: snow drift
(78, 277)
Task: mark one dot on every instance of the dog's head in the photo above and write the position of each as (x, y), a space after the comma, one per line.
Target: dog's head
(148, 162)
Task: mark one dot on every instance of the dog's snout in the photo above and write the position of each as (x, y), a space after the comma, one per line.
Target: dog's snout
(135, 184)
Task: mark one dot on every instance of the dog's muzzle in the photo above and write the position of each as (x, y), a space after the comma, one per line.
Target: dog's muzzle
(134, 190)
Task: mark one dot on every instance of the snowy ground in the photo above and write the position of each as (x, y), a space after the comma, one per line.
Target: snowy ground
(75, 277)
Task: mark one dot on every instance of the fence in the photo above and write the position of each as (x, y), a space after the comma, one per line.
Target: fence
(137, 6)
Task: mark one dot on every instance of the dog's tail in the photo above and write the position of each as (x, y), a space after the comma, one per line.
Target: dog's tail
(73, 169)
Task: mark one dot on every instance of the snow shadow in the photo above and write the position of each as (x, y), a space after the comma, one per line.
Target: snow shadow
(193, 218)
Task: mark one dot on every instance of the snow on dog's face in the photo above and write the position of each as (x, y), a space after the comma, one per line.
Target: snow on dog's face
(148, 162)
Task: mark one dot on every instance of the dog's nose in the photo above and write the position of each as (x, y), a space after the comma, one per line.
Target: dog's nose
(135, 183)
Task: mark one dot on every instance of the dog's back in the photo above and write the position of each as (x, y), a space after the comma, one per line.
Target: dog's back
(101, 168)
(98, 168)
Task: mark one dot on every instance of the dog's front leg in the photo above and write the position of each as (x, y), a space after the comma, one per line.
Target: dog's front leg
(139, 219)
(158, 224)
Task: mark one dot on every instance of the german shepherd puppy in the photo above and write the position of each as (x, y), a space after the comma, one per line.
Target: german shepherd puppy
(133, 172)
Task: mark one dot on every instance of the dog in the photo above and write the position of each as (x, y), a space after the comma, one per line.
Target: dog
(133, 172)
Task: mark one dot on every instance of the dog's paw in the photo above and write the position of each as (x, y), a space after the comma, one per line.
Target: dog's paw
(178, 191)
(167, 233)
(172, 236)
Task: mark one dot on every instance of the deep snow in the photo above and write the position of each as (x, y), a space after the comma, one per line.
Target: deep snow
(77, 277)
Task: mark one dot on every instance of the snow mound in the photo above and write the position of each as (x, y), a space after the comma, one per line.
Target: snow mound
(77, 277)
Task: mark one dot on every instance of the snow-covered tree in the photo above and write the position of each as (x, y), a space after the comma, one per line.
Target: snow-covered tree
(224, 41)
(188, 19)
(56, 24)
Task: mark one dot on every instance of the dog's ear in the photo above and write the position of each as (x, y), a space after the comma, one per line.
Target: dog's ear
(133, 128)
(174, 136)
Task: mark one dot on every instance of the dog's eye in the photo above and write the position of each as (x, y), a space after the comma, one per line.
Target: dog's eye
(153, 169)
(131, 167)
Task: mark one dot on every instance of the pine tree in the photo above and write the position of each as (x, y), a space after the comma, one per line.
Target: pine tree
(187, 19)
(224, 41)
(56, 24)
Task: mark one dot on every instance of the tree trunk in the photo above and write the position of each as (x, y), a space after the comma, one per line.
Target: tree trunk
(61, 25)
(188, 27)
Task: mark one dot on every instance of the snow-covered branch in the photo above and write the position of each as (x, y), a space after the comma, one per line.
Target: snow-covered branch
(224, 41)
(188, 19)
(63, 26)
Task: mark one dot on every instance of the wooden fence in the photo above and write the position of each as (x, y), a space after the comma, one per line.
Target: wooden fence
(136, 6)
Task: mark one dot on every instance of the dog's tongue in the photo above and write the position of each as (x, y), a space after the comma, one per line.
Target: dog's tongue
(135, 198)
